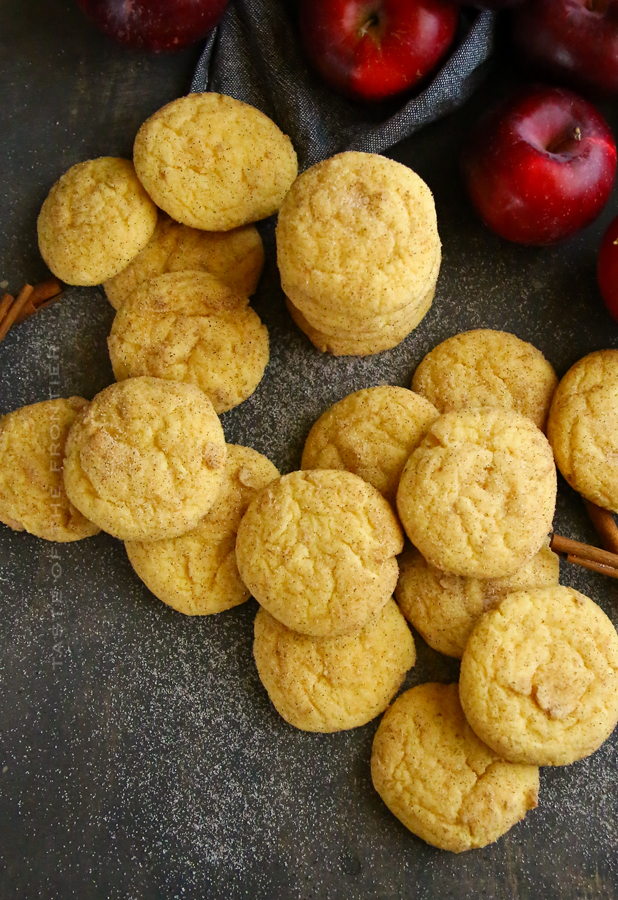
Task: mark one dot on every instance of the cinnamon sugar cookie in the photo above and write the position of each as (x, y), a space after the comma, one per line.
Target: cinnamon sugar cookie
(317, 550)
(32, 494)
(477, 496)
(487, 368)
(358, 252)
(196, 573)
(539, 677)
(95, 220)
(145, 461)
(188, 326)
(440, 780)
(445, 608)
(370, 433)
(213, 162)
(583, 427)
(333, 683)
(234, 257)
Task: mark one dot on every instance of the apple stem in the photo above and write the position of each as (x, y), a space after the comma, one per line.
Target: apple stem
(577, 134)
(370, 25)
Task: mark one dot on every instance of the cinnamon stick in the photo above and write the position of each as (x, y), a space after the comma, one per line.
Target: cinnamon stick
(583, 551)
(605, 526)
(5, 305)
(593, 566)
(43, 295)
(22, 299)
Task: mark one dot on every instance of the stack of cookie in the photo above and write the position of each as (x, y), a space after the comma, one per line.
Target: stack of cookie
(171, 239)
(358, 252)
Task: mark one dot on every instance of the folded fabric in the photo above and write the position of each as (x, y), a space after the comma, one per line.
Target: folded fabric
(255, 55)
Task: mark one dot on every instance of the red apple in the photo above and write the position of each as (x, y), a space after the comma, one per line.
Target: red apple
(155, 24)
(607, 269)
(540, 165)
(373, 49)
(572, 41)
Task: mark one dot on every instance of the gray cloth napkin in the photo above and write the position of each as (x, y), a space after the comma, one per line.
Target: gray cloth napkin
(255, 55)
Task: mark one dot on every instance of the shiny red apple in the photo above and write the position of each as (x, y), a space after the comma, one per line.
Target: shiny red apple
(607, 269)
(571, 41)
(540, 165)
(158, 25)
(373, 49)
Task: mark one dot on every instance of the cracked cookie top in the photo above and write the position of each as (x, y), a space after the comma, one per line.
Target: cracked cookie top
(477, 496)
(317, 550)
(583, 427)
(487, 368)
(539, 677)
(213, 162)
(95, 220)
(146, 459)
(440, 780)
(370, 433)
(333, 683)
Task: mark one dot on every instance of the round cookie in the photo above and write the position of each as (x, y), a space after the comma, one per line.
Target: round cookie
(32, 494)
(583, 428)
(367, 343)
(95, 220)
(145, 461)
(234, 257)
(188, 326)
(445, 608)
(539, 677)
(317, 550)
(440, 780)
(370, 433)
(487, 368)
(213, 162)
(357, 238)
(196, 573)
(477, 496)
(332, 684)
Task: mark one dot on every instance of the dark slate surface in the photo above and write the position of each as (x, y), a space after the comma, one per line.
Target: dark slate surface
(139, 756)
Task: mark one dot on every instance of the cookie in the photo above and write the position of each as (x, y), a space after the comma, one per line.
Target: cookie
(363, 345)
(440, 780)
(213, 162)
(370, 433)
(189, 327)
(145, 461)
(32, 494)
(539, 677)
(95, 220)
(196, 573)
(487, 368)
(317, 550)
(234, 257)
(332, 684)
(583, 428)
(357, 235)
(445, 608)
(477, 496)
